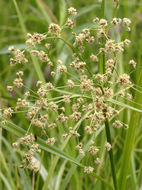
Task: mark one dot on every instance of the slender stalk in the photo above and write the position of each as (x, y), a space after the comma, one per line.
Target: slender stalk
(107, 127)
(103, 8)
(101, 66)
(108, 134)
(33, 181)
(74, 51)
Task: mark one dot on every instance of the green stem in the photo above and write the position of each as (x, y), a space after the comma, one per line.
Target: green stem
(107, 127)
(73, 49)
(101, 66)
(108, 134)
(130, 140)
(103, 8)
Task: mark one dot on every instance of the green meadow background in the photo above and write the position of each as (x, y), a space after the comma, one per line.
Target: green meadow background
(22, 16)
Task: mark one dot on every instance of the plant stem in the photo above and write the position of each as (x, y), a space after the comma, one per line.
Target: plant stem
(33, 181)
(108, 134)
(103, 8)
(107, 127)
(101, 66)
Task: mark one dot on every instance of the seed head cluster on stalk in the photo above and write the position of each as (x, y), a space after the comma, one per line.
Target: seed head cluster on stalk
(86, 92)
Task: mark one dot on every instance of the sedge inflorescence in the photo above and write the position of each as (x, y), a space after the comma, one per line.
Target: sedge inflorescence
(86, 92)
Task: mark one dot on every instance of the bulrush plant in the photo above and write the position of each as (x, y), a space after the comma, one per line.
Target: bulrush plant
(89, 99)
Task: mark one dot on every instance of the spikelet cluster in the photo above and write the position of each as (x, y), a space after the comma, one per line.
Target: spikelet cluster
(89, 94)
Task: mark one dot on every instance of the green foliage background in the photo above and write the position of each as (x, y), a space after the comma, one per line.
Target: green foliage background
(35, 16)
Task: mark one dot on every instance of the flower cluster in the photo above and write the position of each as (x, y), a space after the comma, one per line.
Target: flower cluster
(18, 57)
(88, 93)
(29, 160)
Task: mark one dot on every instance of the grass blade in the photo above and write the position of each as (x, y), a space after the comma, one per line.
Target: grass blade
(125, 105)
(129, 142)
(42, 9)
(20, 132)
(35, 61)
(24, 177)
(5, 181)
(62, 11)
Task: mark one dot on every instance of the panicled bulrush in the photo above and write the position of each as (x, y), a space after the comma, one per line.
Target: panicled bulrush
(35, 39)
(88, 129)
(62, 68)
(29, 160)
(18, 82)
(10, 88)
(18, 57)
(72, 11)
(88, 169)
(54, 29)
(124, 80)
(94, 58)
(116, 21)
(117, 124)
(11, 49)
(97, 161)
(52, 125)
(103, 22)
(132, 63)
(21, 103)
(110, 63)
(86, 84)
(108, 146)
(93, 150)
(51, 141)
(73, 132)
(79, 146)
(62, 118)
(126, 22)
(7, 113)
(75, 116)
(76, 94)
(70, 23)
(66, 99)
(70, 83)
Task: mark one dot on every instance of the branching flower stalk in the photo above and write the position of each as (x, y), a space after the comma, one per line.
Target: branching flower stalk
(83, 102)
